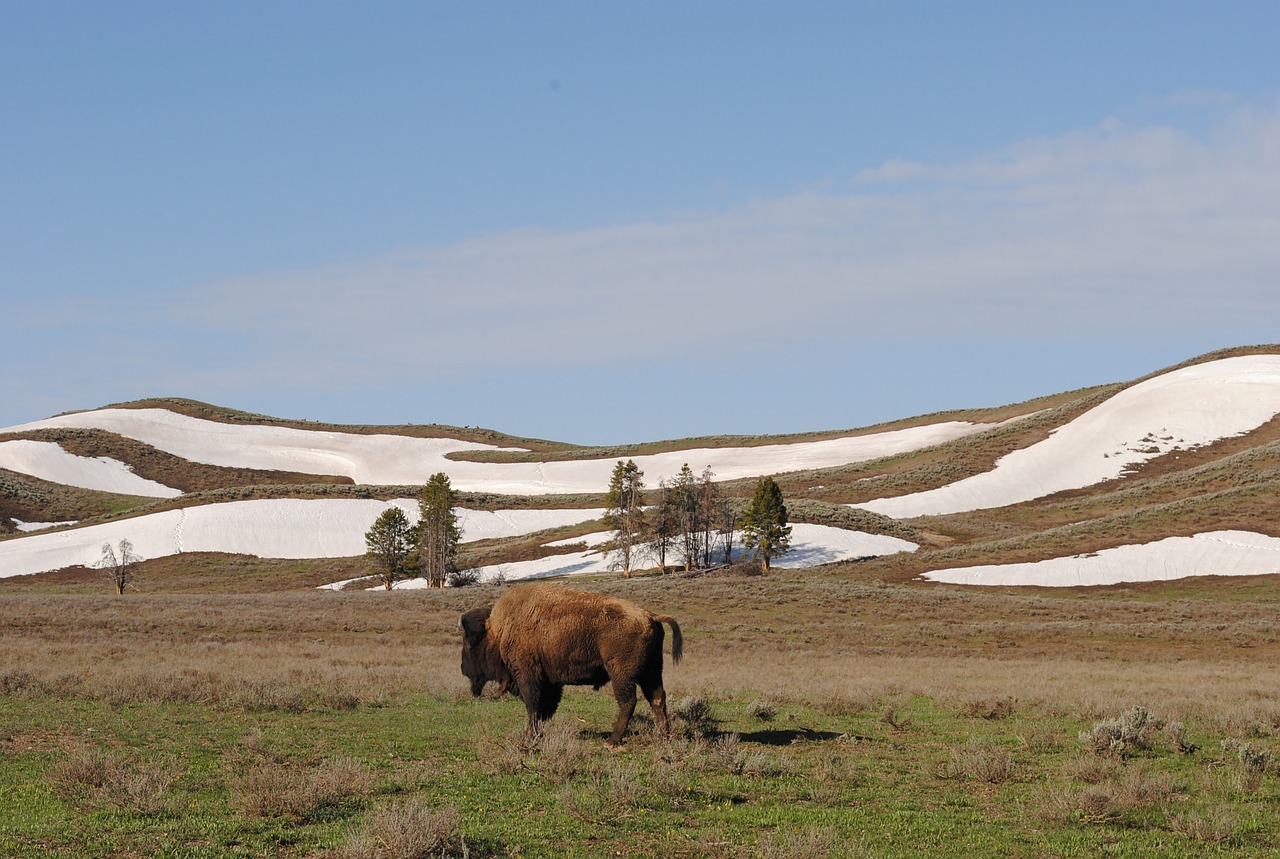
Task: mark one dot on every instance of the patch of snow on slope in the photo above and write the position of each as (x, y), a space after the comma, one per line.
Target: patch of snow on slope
(1216, 553)
(1179, 410)
(270, 528)
(38, 526)
(810, 545)
(398, 460)
(48, 461)
(371, 459)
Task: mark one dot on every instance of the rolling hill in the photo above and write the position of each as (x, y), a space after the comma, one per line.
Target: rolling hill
(1168, 476)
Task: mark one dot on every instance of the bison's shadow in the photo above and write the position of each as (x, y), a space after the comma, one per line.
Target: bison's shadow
(787, 736)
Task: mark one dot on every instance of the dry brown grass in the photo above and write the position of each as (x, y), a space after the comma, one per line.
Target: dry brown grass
(847, 646)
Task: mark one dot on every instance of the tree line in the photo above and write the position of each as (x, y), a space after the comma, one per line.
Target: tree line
(687, 522)
(690, 521)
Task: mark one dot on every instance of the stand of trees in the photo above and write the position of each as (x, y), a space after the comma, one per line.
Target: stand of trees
(687, 517)
(400, 550)
(701, 520)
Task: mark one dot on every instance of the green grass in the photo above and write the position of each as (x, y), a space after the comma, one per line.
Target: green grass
(807, 782)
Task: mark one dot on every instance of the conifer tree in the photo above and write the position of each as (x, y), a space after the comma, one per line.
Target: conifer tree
(624, 512)
(390, 546)
(438, 531)
(665, 524)
(764, 526)
(684, 498)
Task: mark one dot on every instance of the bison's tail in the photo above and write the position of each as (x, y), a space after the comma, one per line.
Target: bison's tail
(677, 640)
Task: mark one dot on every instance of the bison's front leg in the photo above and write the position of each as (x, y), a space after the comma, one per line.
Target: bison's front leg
(532, 692)
(551, 694)
(625, 692)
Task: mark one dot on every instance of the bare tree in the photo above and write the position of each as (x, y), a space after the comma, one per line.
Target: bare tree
(118, 562)
(708, 495)
(726, 525)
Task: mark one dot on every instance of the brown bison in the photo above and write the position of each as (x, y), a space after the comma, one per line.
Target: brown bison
(538, 638)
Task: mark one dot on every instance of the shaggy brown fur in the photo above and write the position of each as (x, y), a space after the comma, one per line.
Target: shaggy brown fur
(538, 638)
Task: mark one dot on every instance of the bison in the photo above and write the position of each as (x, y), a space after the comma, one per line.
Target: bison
(538, 638)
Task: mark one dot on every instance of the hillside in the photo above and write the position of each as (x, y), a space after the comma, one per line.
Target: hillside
(1172, 475)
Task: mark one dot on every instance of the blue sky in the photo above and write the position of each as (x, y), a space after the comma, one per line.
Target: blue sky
(619, 222)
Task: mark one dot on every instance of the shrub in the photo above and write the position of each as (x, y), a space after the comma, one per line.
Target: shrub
(1215, 826)
(811, 844)
(890, 716)
(693, 717)
(110, 780)
(603, 795)
(979, 760)
(411, 830)
(1134, 788)
(762, 711)
(263, 785)
(991, 709)
(1122, 735)
(462, 578)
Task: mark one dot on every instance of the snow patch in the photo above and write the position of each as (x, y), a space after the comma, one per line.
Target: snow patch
(1214, 553)
(810, 545)
(1179, 410)
(48, 461)
(268, 528)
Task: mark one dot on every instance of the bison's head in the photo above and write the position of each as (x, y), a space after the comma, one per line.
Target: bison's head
(475, 649)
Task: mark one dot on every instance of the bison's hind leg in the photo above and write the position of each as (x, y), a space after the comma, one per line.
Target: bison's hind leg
(625, 693)
(651, 685)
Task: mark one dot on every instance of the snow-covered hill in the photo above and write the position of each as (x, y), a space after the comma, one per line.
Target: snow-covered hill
(391, 460)
(1180, 410)
(1183, 409)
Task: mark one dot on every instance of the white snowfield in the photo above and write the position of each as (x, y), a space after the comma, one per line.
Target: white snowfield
(273, 528)
(810, 545)
(1176, 411)
(391, 460)
(48, 461)
(1216, 553)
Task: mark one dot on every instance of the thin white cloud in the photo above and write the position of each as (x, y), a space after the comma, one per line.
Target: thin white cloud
(1082, 236)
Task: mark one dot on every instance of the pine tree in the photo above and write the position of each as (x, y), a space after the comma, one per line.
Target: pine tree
(685, 505)
(438, 532)
(624, 512)
(764, 526)
(665, 525)
(390, 546)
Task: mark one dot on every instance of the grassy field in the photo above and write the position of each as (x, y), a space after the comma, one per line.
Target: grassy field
(817, 714)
